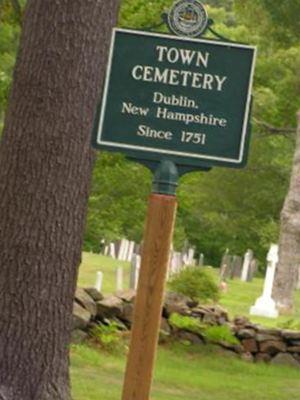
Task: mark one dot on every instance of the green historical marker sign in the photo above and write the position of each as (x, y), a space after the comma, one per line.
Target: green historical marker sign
(184, 99)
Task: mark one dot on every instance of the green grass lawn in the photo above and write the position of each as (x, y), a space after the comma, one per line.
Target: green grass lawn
(184, 374)
(242, 295)
(238, 300)
(92, 263)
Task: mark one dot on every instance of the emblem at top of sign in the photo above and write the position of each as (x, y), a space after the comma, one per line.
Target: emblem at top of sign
(188, 18)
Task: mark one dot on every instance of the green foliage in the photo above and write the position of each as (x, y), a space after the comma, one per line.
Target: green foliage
(196, 283)
(220, 333)
(223, 208)
(117, 204)
(211, 333)
(108, 336)
(9, 38)
(186, 323)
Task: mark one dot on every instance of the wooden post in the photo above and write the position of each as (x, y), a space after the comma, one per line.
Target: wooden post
(148, 303)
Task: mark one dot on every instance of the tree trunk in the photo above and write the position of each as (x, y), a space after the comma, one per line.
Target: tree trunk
(289, 241)
(45, 169)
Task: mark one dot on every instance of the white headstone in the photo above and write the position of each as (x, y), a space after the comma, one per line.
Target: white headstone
(130, 251)
(185, 258)
(201, 260)
(190, 256)
(99, 281)
(246, 265)
(265, 306)
(126, 250)
(134, 271)
(112, 250)
(122, 250)
(119, 278)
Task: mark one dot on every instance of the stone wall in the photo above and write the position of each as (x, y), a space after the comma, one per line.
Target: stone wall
(255, 343)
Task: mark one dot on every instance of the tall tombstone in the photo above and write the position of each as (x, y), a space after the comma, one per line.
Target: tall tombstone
(225, 258)
(223, 272)
(112, 250)
(106, 250)
(201, 260)
(117, 247)
(252, 270)
(246, 265)
(126, 250)
(265, 306)
(190, 256)
(99, 281)
(171, 269)
(184, 258)
(236, 267)
(137, 249)
(134, 271)
(177, 261)
(122, 250)
(226, 265)
(130, 251)
(119, 278)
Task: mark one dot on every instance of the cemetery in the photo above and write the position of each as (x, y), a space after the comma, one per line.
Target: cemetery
(150, 207)
(255, 341)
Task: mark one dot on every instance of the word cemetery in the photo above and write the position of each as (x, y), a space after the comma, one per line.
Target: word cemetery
(182, 98)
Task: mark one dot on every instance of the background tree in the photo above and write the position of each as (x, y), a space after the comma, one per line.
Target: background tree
(45, 168)
(281, 27)
(223, 208)
(289, 241)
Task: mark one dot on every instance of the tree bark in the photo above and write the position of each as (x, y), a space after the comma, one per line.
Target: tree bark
(45, 169)
(289, 241)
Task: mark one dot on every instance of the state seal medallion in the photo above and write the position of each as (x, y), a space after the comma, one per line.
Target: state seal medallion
(188, 18)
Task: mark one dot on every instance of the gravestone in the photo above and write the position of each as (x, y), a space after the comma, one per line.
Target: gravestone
(246, 265)
(201, 260)
(130, 251)
(265, 306)
(106, 251)
(134, 271)
(123, 250)
(137, 249)
(223, 272)
(226, 258)
(236, 267)
(190, 256)
(252, 270)
(177, 262)
(99, 281)
(226, 266)
(119, 279)
(112, 250)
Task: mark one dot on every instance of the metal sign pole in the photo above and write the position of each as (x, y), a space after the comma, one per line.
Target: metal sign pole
(148, 303)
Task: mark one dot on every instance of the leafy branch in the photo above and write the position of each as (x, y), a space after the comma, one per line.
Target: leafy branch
(274, 130)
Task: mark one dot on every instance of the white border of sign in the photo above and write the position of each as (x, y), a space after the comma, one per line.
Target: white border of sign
(173, 152)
